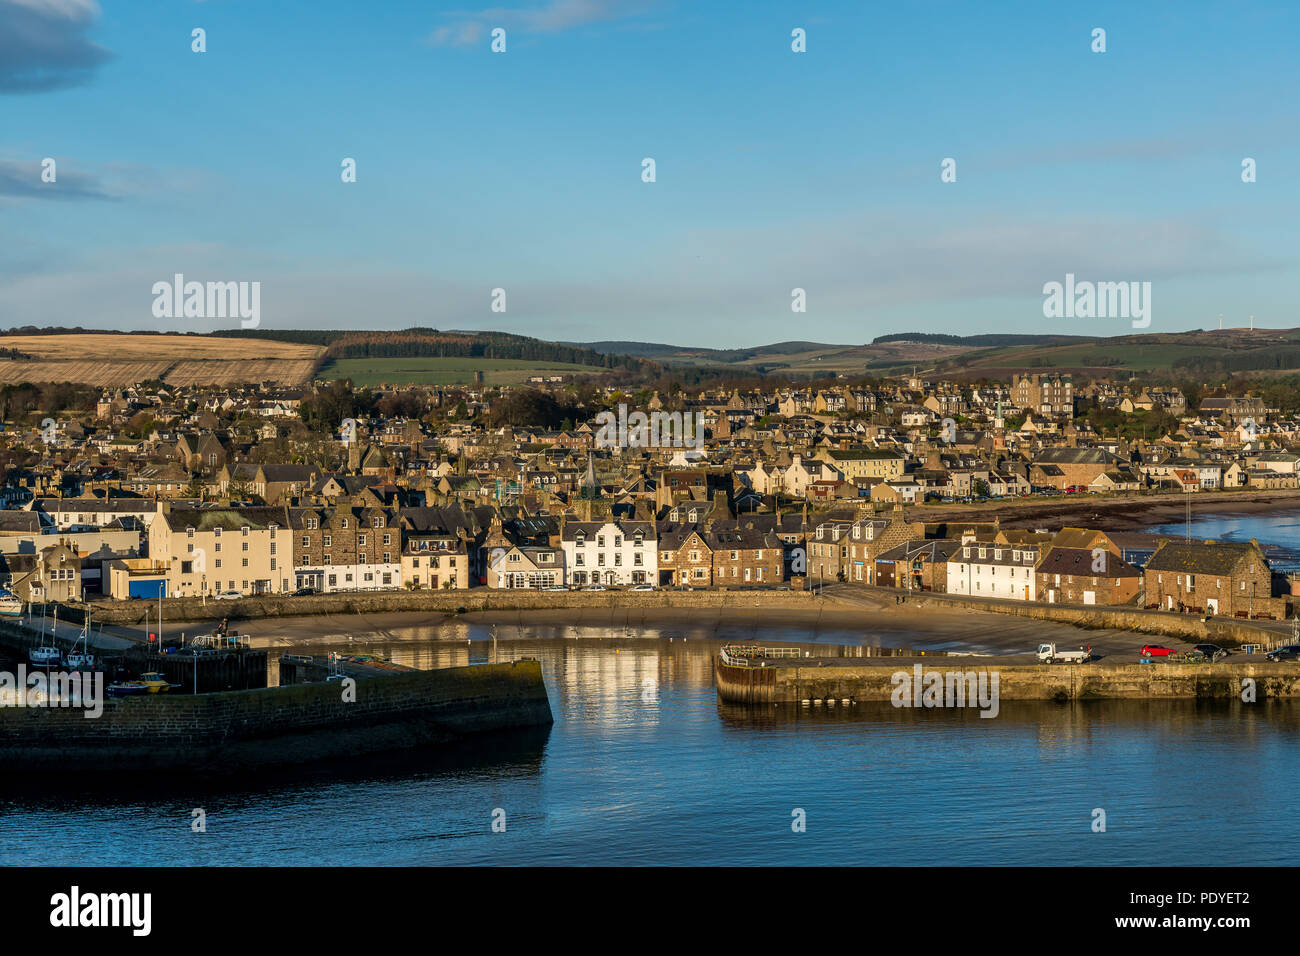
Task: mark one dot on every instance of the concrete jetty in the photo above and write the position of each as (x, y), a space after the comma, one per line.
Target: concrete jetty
(779, 677)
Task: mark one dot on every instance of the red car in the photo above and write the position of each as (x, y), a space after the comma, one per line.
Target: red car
(1155, 650)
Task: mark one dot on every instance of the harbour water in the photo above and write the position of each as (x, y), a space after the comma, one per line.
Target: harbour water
(643, 766)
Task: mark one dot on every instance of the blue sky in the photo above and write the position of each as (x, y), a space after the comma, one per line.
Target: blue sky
(775, 170)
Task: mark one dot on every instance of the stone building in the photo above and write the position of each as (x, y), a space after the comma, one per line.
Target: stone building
(1214, 577)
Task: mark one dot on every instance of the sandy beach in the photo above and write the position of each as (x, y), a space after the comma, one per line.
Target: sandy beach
(1112, 514)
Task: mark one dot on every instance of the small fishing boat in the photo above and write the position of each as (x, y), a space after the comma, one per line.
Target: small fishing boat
(81, 660)
(45, 656)
(154, 682)
(10, 605)
(124, 688)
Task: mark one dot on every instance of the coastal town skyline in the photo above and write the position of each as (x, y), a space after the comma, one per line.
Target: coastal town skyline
(629, 434)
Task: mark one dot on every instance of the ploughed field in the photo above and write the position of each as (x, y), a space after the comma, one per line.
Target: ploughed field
(108, 361)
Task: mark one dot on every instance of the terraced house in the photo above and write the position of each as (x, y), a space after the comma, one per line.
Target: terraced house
(435, 548)
(866, 463)
(203, 551)
(346, 548)
(993, 569)
(610, 552)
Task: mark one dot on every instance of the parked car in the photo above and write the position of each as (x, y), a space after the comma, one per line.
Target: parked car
(595, 587)
(645, 587)
(1155, 650)
(1211, 652)
(1288, 652)
(227, 596)
(303, 592)
(558, 587)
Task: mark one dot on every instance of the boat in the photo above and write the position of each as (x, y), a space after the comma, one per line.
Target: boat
(10, 605)
(45, 656)
(154, 682)
(81, 660)
(124, 688)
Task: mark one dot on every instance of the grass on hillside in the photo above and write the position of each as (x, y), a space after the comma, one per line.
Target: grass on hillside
(430, 370)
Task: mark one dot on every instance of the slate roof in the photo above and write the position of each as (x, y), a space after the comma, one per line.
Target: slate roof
(1218, 558)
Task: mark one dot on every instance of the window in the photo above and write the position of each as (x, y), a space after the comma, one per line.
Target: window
(329, 540)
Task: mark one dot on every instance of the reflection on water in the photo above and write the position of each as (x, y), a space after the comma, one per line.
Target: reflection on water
(644, 766)
(1278, 534)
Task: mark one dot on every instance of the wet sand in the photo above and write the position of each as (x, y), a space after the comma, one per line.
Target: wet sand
(1113, 514)
(865, 623)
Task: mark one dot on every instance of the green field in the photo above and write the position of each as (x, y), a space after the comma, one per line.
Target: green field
(419, 370)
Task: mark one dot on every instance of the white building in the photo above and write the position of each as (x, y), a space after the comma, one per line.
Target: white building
(610, 553)
(986, 569)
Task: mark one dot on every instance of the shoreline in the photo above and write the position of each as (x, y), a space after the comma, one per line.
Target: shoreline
(1134, 513)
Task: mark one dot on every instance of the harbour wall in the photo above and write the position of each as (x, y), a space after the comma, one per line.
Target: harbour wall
(781, 683)
(237, 730)
(438, 602)
(1223, 631)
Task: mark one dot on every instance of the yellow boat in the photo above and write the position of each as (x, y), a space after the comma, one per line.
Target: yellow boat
(154, 682)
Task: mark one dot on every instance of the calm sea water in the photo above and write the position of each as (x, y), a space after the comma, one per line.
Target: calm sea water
(643, 766)
(1279, 534)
